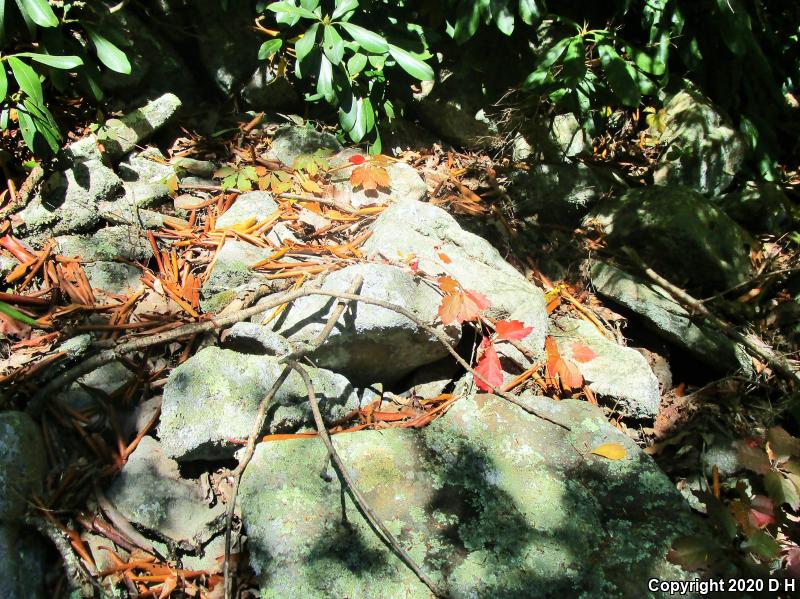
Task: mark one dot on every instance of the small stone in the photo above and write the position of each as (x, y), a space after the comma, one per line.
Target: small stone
(253, 204)
(568, 136)
(291, 142)
(120, 136)
(231, 274)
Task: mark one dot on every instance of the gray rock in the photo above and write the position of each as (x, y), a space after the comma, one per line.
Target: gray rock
(723, 454)
(148, 167)
(291, 142)
(405, 184)
(151, 494)
(559, 193)
(401, 135)
(760, 207)
(75, 347)
(143, 195)
(680, 234)
(428, 232)
(619, 373)
(370, 343)
(68, 201)
(213, 398)
(22, 564)
(110, 243)
(668, 319)
(231, 274)
(265, 91)
(490, 500)
(568, 136)
(120, 136)
(23, 464)
(83, 150)
(702, 150)
(126, 212)
(253, 338)
(109, 378)
(253, 204)
(197, 168)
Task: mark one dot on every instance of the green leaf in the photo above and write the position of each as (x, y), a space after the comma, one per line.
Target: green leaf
(269, 48)
(44, 123)
(529, 11)
(763, 545)
(27, 127)
(359, 119)
(39, 12)
(503, 18)
(369, 40)
(18, 316)
(536, 80)
(411, 64)
(332, 44)
(27, 79)
(2, 21)
(693, 552)
(57, 62)
(325, 79)
(574, 62)
(111, 56)
(343, 7)
(356, 64)
(291, 9)
(3, 81)
(549, 58)
(467, 21)
(781, 489)
(620, 79)
(306, 43)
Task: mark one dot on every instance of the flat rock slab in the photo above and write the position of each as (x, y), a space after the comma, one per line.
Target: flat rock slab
(230, 273)
(489, 500)
(120, 136)
(110, 243)
(291, 142)
(151, 493)
(669, 319)
(429, 233)
(405, 183)
(617, 372)
(368, 343)
(253, 204)
(211, 400)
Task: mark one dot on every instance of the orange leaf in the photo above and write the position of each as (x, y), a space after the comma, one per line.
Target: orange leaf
(582, 353)
(511, 329)
(489, 367)
(570, 376)
(462, 305)
(611, 451)
(370, 177)
(450, 308)
(448, 284)
(444, 258)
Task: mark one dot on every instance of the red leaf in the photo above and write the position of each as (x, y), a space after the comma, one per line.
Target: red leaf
(480, 301)
(582, 353)
(489, 367)
(357, 159)
(511, 329)
(414, 264)
(762, 512)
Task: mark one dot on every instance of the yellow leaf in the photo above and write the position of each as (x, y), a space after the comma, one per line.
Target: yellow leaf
(611, 451)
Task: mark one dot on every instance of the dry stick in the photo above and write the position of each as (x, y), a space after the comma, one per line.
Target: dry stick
(258, 425)
(109, 355)
(358, 499)
(778, 363)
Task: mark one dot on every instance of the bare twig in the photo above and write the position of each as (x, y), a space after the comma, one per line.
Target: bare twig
(25, 192)
(762, 351)
(358, 499)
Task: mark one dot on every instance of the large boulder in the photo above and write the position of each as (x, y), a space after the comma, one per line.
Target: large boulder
(702, 150)
(22, 464)
(405, 183)
(23, 564)
(151, 494)
(211, 400)
(231, 274)
(669, 319)
(489, 500)
(679, 233)
(760, 207)
(290, 142)
(369, 343)
(443, 248)
(616, 372)
(68, 201)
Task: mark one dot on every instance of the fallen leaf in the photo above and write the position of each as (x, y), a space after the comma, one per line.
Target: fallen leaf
(370, 177)
(582, 353)
(357, 159)
(512, 329)
(568, 374)
(461, 306)
(611, 451)
(489, 367)
(447, 284)
(762, 512)
(444, 258)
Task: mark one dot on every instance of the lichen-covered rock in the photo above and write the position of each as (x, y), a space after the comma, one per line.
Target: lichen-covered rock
(702, 150)
(231, 274)
(405, 183)
(148, 167)
(68, 201)
(23, 564)
(109, 243)
(22, 464)
(291, 142)
(150, 493)
(761, 207)
(370, 343)
(120, 136)
(114, 277)
(678, 233)
(669, 319)
(212, 399)
(253, 204)
(429, 233)
(568, 136)
(489, 500)
(560, 193)
(616, 372)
